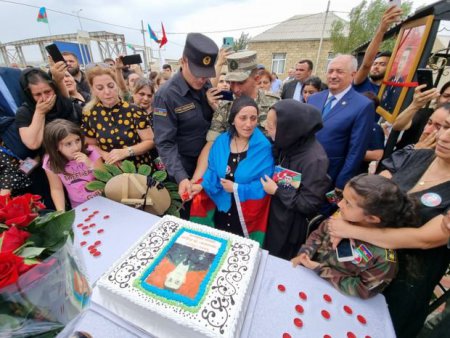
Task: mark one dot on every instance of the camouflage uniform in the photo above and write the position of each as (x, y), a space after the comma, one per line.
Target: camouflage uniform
(366, 276)
(220, 123)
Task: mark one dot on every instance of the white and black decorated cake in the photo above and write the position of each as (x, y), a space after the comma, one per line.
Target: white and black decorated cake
(182, 279)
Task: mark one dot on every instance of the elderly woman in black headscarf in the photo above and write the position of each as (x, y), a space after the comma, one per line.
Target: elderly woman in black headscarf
(292, 126)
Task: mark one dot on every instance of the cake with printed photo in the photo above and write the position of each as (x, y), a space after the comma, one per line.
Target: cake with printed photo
(183, 279)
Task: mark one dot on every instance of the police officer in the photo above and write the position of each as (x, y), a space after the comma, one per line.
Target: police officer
(182, 115)
(244, 78)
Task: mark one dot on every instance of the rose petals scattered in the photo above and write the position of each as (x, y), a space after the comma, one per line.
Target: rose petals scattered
(298, 322)
(286, 335)
(106, 217)
(96, 212)
(87, 232)
(84, 209)
(92, 225)
(361, 319)
(348, 309)
(99, 231)
(87, 219)
(351, 335)
(299, 309)
(325, 314)
(327, 336)
(281, 287)
(97, 253)
(302, 295)
(79, 225)
(90, 247)
(97, 243)
(367, 337)
(85, 227)
(327, 298)
(83, 243)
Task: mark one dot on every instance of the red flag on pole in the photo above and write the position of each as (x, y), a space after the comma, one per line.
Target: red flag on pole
(164, 37)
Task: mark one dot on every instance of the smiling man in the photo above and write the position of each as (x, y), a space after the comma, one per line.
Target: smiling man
(347, 120)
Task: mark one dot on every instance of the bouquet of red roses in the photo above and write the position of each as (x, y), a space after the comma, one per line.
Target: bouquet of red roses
(41, 287)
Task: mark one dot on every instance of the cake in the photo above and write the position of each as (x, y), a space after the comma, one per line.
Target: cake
(182, 279)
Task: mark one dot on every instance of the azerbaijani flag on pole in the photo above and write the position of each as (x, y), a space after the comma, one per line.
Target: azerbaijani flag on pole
(42, 15)
(153, 34)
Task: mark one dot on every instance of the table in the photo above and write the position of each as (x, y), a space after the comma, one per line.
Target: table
(270, 311)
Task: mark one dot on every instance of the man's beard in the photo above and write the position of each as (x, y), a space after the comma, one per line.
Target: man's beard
(376, 77)
(74, 71)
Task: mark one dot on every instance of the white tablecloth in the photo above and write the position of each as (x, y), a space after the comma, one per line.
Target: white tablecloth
(271, 313)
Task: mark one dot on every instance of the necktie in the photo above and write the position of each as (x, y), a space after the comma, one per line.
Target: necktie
(327, 107)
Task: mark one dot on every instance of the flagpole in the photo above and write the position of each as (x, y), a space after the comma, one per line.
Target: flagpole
(48, 24)
(145, 48)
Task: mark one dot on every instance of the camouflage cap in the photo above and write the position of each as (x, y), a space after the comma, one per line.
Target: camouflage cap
(240, 65)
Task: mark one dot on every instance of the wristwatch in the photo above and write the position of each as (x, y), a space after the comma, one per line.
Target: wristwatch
(131, 152)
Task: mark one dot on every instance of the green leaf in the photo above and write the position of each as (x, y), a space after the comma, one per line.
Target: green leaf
(144, 169)
(174, 195)
(176, 203)
(173, 211)
(4, 226)
(170, 186)
(95, 185)
(9, 323)
(101, 175)
(128, 167)
(31, 261)
(31, 252)
(160, 175)
(112, 169)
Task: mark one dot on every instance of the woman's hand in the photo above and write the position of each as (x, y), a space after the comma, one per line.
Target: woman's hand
(43, 106)
(304, 260)
(213, 96)
(82, 158)
(421, 98)
(338, 229)
(227, 185)
(196, 188)
(428, 142)
(269, 185)
(116, 155)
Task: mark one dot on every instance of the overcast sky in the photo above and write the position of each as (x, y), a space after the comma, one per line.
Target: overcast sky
(229, 17)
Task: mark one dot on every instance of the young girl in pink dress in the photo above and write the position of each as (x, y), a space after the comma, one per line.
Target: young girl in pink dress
(69, 163)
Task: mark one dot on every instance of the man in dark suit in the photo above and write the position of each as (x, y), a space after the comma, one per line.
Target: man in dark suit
(11, 95)
(347, 120)
(294, 88)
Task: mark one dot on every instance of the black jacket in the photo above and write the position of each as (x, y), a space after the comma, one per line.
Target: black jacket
(296, 148)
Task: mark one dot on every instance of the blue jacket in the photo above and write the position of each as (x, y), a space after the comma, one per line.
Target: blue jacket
(345, 133)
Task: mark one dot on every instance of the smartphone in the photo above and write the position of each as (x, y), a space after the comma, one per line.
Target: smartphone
(425, 76)
(131, 59)
(344, 251)
(397, 3)
(227, 95)
(28, 165)
(54, 52)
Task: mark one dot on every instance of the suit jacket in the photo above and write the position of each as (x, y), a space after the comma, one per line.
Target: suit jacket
(11, 78)
(289, 90)
(345, 133)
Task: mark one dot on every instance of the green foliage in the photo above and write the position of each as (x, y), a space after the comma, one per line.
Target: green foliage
(95, 185)
(160, 175)
(144, 169)
(128, 167)
(112, 169)
(242, 42)
(173, 210)
(174, 195)
(364, 21)
(102, 175)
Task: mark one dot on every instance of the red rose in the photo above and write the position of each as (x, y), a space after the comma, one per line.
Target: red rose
(18, 211)
(12, 239)
(21, 221)
(10, 266)
(4, 200)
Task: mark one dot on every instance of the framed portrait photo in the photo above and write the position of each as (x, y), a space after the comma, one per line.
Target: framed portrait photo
(402, 66)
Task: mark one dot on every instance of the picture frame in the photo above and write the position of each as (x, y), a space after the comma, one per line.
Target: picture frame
(402, 66)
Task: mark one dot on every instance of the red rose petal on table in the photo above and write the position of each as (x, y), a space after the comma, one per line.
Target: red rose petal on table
(327, 336)
(97, 243)
(361, 319)
(351, 335)
(96, 212)
(106, 217)
(99, 231)
(348, 309)
(286, 335)
(302, 295)
(281, 287)
(367, 337)
(325, 314)
(83, 243)
(84, 209)
(327, 298)
(79, 225)
(298, 322)
(85, 227)
(299, 309)
(87, 232)
(97, 253)
(90, 247)
(87, 219)
(92, 225)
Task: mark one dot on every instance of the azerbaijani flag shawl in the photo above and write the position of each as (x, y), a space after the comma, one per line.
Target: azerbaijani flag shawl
(251, 200)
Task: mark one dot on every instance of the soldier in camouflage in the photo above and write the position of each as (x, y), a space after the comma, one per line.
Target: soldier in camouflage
(244, 78)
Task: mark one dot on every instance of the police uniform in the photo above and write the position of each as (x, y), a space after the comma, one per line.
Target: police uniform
(240, 65)
(182, 115)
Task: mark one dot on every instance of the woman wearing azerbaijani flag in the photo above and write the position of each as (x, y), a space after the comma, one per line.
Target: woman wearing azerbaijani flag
(237, 161)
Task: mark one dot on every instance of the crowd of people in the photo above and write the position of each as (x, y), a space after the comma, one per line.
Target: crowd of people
(261, 162)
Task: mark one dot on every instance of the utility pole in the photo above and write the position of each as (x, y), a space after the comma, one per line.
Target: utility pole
(321, 36)
(145, 48)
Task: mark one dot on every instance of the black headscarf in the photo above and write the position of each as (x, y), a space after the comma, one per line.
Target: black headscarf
(297, 124)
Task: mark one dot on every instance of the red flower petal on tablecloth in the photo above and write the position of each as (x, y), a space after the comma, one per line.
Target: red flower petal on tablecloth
(87, 232)
(83, 243)
(302, 295)
(106, 217)
(348, 309)
(286, 335)
(92, 225)
(99, 231)
(97, 253)
(87, 219)
(281, 287)
(97, 243)
(298, 322)
(299, 309)
(351, 335)
(325, 314)
(327, 336)
(327, 298)
(361, 319)
(84, 209)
